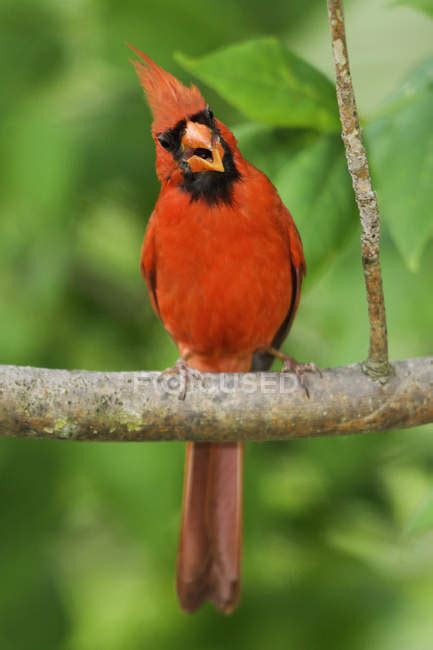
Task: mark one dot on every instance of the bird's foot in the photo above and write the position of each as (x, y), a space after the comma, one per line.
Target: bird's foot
(299, 369)
(186, 376)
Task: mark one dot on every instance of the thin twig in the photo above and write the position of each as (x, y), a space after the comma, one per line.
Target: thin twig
(377, 365)
(134, 406)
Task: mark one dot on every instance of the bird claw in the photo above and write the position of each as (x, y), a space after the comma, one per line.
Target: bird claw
(300, 370)
(186, 374)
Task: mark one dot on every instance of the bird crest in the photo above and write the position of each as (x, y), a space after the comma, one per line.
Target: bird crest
(169, 100)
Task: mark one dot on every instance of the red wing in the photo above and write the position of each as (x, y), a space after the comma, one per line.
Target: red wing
(298, 267)
(263, 361)
(148, 263)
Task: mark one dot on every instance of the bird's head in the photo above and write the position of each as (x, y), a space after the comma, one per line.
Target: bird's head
(187, 136)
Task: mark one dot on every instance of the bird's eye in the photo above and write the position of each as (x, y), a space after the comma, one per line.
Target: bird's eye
(201, 152)
(210, 113)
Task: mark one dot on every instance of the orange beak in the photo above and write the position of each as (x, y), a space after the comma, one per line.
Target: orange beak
(202, 149)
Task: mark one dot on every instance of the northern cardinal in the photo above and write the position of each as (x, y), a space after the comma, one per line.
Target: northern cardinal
(223, 263)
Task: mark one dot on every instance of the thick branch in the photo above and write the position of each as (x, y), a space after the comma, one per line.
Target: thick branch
(81, 405)
(377, 364)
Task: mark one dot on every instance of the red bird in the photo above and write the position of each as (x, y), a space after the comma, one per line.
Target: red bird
(224, 264)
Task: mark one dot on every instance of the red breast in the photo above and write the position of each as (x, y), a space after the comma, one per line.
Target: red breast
(224, 279)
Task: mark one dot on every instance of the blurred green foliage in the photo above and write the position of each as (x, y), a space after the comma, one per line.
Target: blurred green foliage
(422, 5)
(338, 532)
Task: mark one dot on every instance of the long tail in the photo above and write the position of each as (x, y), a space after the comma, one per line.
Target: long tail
(208, 566)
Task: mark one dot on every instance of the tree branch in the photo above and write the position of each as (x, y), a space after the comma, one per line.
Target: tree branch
(377, 365)
(144, 406)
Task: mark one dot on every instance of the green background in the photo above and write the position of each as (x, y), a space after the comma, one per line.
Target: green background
(338, 549)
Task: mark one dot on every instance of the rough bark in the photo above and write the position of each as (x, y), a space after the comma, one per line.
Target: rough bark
(377, 365)
(141, 406)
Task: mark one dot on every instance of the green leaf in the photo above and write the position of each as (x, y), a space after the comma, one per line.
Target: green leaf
(418, 80)
(401, 146)
(422, 5)
(316, 188)
(422, 522)
(269, 84)
(268, 148)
